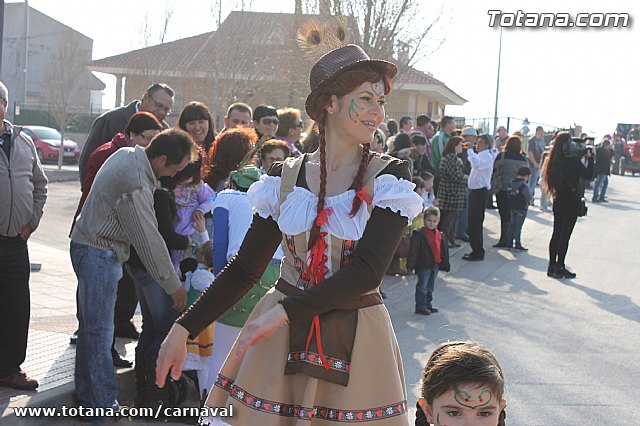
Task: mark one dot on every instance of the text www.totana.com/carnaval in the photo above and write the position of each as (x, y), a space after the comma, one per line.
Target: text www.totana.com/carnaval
(155, 412)
(522, 19)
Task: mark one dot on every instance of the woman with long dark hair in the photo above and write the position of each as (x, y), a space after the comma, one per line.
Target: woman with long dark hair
(561, 179)
(311, 346)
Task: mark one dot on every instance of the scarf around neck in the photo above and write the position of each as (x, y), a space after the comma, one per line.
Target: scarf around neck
(435, 242)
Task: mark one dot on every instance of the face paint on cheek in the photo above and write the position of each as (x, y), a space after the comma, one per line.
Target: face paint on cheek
(465, 399)
(377, 88)
(354, 110)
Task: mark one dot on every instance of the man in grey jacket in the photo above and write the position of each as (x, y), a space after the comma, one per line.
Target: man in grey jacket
(119, 213)
(157, 100)
(23, 186)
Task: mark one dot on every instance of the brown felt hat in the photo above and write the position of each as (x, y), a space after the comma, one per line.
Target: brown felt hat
(335, 63)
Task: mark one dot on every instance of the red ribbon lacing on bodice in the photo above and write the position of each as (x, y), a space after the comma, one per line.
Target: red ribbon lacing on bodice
(317, 269)
(315, 273)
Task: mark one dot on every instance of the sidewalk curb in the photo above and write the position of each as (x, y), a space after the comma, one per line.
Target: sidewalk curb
(64, 396)
(55, 175)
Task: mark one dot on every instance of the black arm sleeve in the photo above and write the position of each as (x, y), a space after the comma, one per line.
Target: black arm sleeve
(237, 278)
(164, 214)
(414, 250)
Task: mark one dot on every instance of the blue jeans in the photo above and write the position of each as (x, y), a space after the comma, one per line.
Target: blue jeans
(515, 226)
(600, 187)
(424, 287)
(157, 318)
(462, 217)
(98, 272)
(533, 181)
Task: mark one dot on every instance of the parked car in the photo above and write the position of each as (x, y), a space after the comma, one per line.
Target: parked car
(47, 141)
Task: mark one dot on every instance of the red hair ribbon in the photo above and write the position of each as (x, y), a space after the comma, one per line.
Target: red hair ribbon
(316, 271)
(362, 194)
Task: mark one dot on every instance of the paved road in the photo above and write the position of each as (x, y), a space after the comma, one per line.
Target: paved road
(568, 348)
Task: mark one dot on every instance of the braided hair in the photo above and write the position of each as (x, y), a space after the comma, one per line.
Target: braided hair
(421, 417)
(346, 83)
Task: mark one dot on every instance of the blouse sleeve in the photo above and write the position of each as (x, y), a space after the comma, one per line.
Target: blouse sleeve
(264, 196)
(220, 238)
(237, 278)
(205, 196)
(393, 190)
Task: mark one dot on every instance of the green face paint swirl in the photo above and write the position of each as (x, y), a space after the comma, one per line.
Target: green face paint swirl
(465, 399)
(354, 110)
(377, 88)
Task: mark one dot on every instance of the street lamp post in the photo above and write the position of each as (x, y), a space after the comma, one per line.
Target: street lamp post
(1, 31)
(495, 112)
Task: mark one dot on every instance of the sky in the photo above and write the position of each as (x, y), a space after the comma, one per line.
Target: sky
(556, 77)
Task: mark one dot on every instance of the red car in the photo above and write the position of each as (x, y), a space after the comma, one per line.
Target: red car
(47, 141)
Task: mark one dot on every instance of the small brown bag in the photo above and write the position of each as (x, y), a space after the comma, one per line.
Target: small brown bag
(403, 246)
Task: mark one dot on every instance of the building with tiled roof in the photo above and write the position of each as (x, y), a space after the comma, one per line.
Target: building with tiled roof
(252, 57)
(35, 56)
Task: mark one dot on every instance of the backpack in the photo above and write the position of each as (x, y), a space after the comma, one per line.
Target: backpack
(513, 191)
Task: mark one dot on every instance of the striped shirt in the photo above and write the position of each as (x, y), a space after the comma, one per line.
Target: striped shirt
(119, 213)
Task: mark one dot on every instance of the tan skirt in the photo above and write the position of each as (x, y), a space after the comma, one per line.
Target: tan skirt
(261, 394)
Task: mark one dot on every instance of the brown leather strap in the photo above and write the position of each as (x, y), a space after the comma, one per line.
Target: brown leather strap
(290, 170)
(377, 163)
(363, 301)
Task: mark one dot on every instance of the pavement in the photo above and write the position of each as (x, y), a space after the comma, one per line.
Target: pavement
(568, 348)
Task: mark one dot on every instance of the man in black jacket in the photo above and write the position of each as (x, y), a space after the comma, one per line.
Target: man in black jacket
(604, 154)
(158, 100)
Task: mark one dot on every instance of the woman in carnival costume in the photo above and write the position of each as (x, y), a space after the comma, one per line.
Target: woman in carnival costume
(319, 347)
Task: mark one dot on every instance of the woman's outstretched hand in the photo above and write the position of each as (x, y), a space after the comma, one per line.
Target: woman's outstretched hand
(260, 328)
(172, 354)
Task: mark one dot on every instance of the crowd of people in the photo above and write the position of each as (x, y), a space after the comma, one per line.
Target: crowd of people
(258, 227)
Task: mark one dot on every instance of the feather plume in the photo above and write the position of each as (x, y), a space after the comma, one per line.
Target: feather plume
(316, 37)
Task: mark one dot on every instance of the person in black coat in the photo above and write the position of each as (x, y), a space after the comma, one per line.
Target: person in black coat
(604, 155)
(428, 254)
(158, 100)
(561, 175)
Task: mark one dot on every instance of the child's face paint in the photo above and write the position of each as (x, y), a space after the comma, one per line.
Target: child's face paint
(469, 405)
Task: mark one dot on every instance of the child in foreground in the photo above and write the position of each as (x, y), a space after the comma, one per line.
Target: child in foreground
(428, 254)
(462, 383)
(200, 350)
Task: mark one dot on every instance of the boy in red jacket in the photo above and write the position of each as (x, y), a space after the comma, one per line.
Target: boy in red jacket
(428, 254)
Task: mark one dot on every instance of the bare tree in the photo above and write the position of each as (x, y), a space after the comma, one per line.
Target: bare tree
(64, 74)
(405, 30)
(153, 31)
(150, 33)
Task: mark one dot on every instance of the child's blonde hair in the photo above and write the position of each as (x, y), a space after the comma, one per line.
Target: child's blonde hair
(204, 254)
(432, 211)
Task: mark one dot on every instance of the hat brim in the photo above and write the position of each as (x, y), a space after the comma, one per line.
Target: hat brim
(389, 69)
